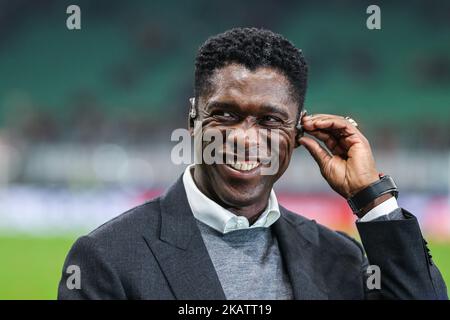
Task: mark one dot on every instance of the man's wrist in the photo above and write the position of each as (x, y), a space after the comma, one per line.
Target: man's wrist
(385, 209)
(373, 195)
(374, 203)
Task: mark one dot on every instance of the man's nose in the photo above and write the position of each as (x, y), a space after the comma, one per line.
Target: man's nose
(244, 136)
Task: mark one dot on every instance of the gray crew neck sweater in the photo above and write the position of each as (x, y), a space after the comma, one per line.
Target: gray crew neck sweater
(248, 263)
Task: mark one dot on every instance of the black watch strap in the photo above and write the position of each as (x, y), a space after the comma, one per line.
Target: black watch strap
(361, 199)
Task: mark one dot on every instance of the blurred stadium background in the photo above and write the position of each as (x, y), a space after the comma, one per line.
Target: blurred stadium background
(86, 116)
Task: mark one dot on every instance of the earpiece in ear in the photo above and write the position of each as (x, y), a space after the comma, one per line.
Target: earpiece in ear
(299, 126)
(192, 112)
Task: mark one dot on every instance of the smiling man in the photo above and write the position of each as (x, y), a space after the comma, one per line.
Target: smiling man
(219, 232)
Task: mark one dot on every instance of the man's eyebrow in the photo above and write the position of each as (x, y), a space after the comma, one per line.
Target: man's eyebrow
(222, 105)
(275, 109)
(266, 108)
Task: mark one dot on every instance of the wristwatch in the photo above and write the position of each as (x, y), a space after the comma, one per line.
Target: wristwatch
(362, 198)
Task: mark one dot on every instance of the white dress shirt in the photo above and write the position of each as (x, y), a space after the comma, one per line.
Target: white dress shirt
(212, 214)
(382, 209)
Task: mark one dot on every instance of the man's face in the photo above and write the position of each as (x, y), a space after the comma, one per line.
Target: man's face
(246, 104)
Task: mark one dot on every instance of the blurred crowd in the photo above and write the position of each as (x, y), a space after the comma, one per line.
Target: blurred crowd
(126, 76)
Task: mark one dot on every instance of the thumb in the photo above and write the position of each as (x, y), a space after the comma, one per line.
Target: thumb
(316, 150)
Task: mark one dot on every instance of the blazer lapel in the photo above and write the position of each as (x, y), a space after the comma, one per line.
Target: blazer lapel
(181, 252)
(298, 243)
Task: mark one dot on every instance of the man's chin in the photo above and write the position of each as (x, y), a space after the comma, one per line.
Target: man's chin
(239, 199)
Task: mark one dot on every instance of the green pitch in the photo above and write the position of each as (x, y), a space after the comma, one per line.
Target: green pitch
(30, 267)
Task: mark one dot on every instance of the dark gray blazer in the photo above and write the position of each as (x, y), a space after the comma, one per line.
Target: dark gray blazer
(155, 251)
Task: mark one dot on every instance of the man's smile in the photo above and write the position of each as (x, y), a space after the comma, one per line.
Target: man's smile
(241, 170)
(244, 166)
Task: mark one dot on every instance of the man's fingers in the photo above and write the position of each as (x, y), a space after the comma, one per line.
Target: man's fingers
(336, 126)
(333, 144)
(316, 150)
(330, 123)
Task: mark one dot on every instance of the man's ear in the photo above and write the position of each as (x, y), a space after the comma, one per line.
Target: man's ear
(192, 115)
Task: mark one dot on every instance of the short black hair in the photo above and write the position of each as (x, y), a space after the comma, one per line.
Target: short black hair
(253, 48)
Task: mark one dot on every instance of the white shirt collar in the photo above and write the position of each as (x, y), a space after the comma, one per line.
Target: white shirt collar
(219, 218)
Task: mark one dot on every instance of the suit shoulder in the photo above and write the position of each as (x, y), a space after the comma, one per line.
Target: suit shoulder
(130, 223)
(112, 246)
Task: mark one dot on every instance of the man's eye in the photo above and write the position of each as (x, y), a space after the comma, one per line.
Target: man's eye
(271, 119)
(223, 114)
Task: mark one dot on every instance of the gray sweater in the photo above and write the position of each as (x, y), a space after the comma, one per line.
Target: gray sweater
(248, 263)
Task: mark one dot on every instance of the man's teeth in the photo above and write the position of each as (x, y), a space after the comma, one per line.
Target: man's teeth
(244, 166)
